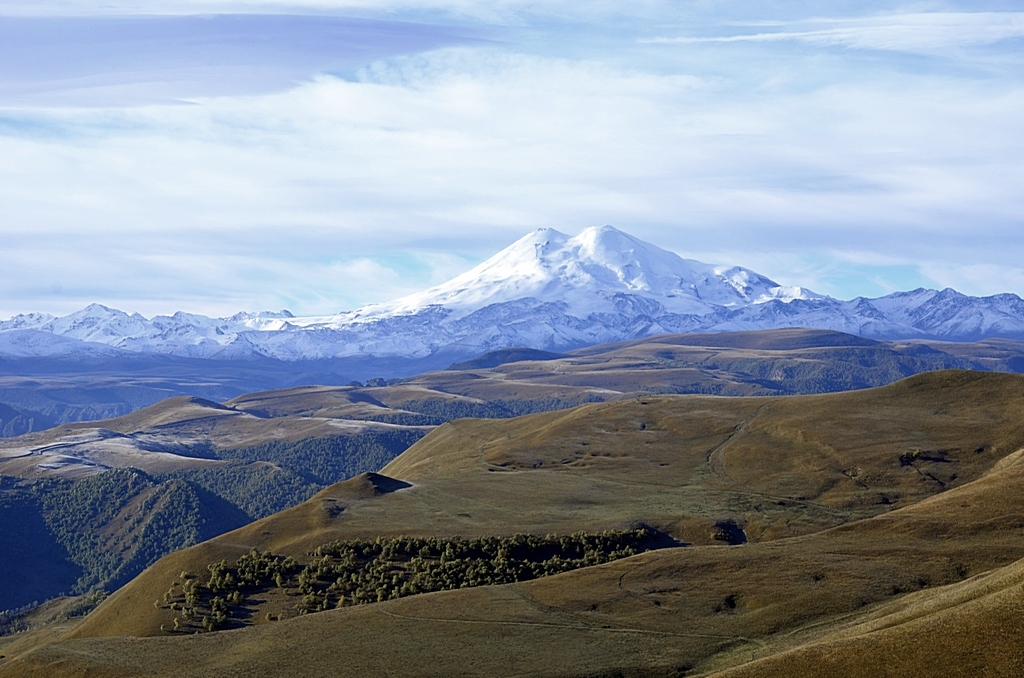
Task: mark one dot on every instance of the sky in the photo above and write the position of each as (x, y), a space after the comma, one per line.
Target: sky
(217, 156)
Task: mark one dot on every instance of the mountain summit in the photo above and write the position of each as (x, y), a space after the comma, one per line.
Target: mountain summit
(547, 290)
(587, 272)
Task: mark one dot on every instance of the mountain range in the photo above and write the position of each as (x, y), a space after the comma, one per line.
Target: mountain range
(545, 291)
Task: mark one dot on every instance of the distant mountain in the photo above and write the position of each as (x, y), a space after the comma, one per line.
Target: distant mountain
(590, 274)
(546, 291)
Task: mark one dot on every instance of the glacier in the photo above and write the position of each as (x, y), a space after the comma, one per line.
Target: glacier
(546, 291)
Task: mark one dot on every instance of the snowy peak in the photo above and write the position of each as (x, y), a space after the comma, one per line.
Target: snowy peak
(97, 323)
(609, 257)
(588, 272)
(519, 270)
(26, 321)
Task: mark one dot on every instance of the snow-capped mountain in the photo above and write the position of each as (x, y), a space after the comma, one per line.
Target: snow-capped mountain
(588, 272)
(546, 290)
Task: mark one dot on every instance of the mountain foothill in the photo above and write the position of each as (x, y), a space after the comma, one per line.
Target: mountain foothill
(785, 535)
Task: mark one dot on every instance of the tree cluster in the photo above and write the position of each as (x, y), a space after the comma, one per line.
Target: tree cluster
(447, 410)
(327, 460)
(258, 490)
(358, 571)
(116, 523)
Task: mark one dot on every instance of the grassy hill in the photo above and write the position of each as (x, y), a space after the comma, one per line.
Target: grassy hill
(706, 471)
(871, 519)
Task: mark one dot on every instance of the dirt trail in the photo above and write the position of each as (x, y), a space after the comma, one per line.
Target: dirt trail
(714, 457)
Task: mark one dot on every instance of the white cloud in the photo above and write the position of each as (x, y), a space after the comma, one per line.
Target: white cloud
(923, 32)
(976, 279)
(297, 199)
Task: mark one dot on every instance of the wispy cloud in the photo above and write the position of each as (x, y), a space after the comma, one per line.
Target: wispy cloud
(978, 278)
(510, 12)
(924, 32)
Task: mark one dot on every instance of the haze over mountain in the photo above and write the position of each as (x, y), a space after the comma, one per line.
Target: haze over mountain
(545, 291)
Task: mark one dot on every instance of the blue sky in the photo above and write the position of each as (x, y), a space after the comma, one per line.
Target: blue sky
(219, 156)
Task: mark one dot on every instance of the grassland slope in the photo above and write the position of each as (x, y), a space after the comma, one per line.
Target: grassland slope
(797, 606)
(868, 516)
(772, 467)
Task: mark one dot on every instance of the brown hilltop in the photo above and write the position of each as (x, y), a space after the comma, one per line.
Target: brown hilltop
(785, 339)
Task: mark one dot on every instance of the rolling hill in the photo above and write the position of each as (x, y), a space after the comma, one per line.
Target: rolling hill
(823, 531)
(89, 506)
(264, 452)
(768, 362)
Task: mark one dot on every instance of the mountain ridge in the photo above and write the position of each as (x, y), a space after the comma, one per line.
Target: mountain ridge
(546, 291)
